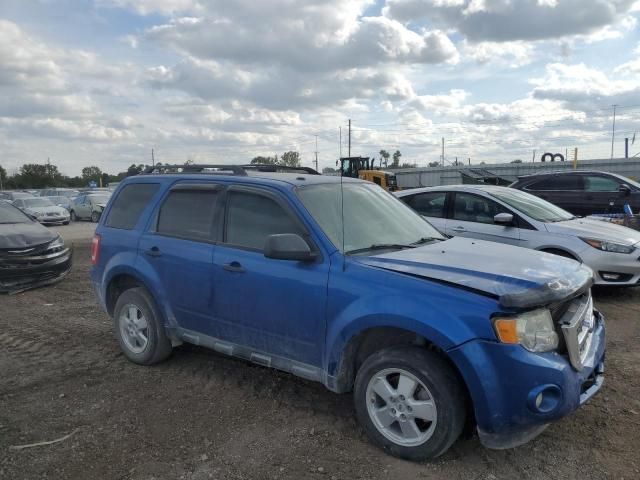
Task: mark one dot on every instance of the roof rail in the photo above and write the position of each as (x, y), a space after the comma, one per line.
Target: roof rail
(265, 167)
(197, 168)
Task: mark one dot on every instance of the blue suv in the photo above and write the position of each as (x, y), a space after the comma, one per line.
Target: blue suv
(336, 281)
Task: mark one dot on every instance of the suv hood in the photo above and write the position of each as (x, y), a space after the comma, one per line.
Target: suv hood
(598, 229)
(517, 277)
(22, 235)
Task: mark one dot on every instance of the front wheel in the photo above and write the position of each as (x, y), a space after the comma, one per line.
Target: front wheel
(95, 217)
(410, 402)
(72, 216)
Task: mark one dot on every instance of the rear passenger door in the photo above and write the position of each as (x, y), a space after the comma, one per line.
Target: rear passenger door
(179, 247)
(431, 205)
(564, 190)
(472, 216)
(273, 308)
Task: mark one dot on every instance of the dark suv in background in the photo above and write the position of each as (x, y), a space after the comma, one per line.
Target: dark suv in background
(583, 192)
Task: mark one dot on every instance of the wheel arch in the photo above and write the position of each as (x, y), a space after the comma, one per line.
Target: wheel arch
(560, 251)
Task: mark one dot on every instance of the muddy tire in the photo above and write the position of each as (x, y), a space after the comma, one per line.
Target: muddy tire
(410, 402)
(139, 328)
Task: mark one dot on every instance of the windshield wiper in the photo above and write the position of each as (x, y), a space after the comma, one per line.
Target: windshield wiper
(424, 240)
(380, 246)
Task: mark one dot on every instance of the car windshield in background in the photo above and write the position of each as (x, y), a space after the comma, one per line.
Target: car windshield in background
(533, 206)
(63, 200)
(37, 202)
(99, 198)
(68, 193)
(372, 217)
(10, 214)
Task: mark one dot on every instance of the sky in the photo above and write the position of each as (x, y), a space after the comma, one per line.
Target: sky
(103, 82)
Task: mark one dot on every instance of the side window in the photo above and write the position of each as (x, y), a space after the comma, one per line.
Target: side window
(18, 203)
(188, 214)
(251, 218)
(474, 208)
(79, 200)
(596, 183)
(429, 204)
(558, 182)
(129, 203)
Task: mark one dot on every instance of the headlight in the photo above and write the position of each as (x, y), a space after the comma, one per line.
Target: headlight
(56, 245)
(39, 214)
(533, 330)
(608, 246)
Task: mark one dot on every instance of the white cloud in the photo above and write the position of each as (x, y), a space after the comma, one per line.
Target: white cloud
(513, 54)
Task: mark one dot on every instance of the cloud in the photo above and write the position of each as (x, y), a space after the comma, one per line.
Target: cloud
(508, 20)
(512, 54)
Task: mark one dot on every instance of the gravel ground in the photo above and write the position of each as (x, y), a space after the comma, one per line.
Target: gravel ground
(200, 415)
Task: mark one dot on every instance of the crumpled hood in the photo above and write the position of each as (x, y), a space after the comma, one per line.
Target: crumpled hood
(22, 235)
(598, 229)
(517, 277)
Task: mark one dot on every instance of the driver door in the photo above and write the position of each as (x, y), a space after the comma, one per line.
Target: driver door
(472, 217)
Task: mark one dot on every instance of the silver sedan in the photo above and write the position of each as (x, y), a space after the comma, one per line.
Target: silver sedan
(506, 215)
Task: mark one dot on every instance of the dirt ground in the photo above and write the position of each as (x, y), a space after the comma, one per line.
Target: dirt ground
(201, 415)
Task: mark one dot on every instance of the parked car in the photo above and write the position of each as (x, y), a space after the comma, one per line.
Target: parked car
(43, 210)
(583, 192)
(505, 215)
(30, 254)
(13, 195)
(362, 295)
(60, 192)
(88, 207)
(61, 201)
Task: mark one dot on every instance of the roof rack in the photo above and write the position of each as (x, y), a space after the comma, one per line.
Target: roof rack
(197, 168)
(219, 169)
(265, 167)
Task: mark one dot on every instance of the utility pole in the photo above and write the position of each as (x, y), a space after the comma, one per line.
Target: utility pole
(626, 148)
(153, 159)
(613, 132)
(48, 167)
(349, 138)
(533, 159)
(443, 151)
(316, 152)
(340, 133)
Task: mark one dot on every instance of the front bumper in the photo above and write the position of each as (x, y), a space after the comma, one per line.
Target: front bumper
(18, 274)
(504, 381)
(627, 265)
(53, 220)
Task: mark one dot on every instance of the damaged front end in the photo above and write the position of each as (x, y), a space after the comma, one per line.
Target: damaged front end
(30, 267)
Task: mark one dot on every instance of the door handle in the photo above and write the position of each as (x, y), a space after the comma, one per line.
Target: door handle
(458, 229)
(153, 252)
(233, 267)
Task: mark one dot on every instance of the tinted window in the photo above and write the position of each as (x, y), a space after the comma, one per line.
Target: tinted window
(252, 218)
(474, 208)
(558, 182)
(188, 214)
(428, 204)
(128, 206)
(595, 183)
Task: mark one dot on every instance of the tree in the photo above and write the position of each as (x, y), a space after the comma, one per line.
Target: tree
(434, 164)
(290, 159)
(396, 159)
(265, 160)
(91, 174)
(407, 165)
(3, 177)
(134, 170)
(384, 158)
(329, 170)
(34, 175)
(516, 161)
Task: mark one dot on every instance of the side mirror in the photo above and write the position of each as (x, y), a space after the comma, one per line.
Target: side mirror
(505, 219)
(288, 246)
(624, 189)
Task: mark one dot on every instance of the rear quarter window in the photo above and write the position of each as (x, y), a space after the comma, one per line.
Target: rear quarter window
(129, 204)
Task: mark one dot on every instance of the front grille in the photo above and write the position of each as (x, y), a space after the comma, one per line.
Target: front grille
(577, 325)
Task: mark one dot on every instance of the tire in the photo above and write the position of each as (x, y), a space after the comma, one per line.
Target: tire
(136, 303)
(65, 223)
(73, 217)
(443, 389)
(95, 217)
(560, 253)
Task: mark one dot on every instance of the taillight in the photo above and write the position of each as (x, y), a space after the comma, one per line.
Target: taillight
(95, 249)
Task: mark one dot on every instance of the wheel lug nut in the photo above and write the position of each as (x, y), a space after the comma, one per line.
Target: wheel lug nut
(402, 397)
(393, 410)
(409, 409)
(403, 416)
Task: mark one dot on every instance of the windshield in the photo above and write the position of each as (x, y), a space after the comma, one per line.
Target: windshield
(99, 198)
(371, 216)
(534, 207)
(59, 199)
(37, 202)
(68, 193)
(10, 214)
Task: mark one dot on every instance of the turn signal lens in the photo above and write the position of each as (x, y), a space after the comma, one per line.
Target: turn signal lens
(507, 330)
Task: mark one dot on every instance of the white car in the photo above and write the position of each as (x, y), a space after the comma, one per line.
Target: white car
(43, 210)
(506, 215)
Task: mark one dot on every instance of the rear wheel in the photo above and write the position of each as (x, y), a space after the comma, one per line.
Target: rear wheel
(95, 217)
(139, 328)
(410, 402)
(72, 216)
